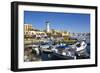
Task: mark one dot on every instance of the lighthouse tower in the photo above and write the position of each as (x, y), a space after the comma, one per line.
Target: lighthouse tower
(47, 26)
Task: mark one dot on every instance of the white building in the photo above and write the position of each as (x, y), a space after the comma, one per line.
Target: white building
(47, 26)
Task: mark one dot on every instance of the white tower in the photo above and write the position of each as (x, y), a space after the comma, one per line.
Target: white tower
(48, 26)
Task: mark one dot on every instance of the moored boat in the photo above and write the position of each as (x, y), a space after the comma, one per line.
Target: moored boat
(63, 52)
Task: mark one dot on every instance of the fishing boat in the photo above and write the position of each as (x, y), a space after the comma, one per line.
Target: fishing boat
(81, 51)
(70, 51)
(46, 47)
(63, 52)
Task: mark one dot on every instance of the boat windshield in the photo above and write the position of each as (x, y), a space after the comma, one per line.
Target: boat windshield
(62, 47)
(78, 45)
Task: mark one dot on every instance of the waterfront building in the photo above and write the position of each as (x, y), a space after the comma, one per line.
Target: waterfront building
(28, 27)
(66, 34)
(29, 31)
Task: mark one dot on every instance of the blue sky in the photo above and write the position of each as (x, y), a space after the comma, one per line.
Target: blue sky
(72, 22)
